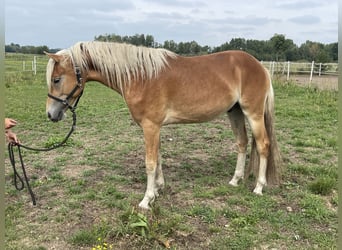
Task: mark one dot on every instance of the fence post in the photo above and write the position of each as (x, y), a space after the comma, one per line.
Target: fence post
(288, 71)
(312, 68)
(35, 65)
(320, 69)
(283, 71)
(272, 68)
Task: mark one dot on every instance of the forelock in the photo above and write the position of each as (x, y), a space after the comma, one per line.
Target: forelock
(51, 64)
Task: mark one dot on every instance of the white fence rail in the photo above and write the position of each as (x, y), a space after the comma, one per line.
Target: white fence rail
(21, 63)
(32, 65)
(301, 68)
(286, 70)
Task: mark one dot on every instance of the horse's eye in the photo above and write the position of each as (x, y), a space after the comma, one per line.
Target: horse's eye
(56, 80)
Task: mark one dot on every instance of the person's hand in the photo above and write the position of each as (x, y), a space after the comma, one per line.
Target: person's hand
(10, 123)
(11, 137)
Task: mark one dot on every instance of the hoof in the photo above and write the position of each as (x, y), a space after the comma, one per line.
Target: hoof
(233, 183)
(257, 192)
(258, 188)
(144, 206)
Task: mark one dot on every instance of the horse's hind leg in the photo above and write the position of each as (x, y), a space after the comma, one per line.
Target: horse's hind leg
(237, 120)
(262, 146)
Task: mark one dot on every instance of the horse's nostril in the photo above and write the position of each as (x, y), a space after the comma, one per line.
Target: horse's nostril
(49, 115)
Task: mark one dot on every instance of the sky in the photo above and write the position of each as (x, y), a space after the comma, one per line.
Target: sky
(62, 23)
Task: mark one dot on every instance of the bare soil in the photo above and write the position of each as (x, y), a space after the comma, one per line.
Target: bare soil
(323, 82)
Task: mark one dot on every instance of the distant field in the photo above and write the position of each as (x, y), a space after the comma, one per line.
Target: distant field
(325, 82)
(88, 191)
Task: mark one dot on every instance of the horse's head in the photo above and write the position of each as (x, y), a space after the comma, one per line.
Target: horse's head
(64, 83)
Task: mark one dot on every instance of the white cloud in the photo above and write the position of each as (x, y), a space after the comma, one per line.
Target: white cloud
(62, 23)
(305, 20)
(299, 4)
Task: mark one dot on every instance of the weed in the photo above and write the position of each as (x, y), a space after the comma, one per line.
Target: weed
(102, 245)
(83, 237)
(53, 141)
(244, 221)
(206, 213)
(313, 207)
(323, 185)
(92, 236)
(138, 222)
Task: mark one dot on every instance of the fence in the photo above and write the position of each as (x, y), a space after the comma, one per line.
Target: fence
(302, 72)
(22, 63)
(298, 68)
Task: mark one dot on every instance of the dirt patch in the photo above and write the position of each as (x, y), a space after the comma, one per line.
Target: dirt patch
(323, 82)
(74, 171)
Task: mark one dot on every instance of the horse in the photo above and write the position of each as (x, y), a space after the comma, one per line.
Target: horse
(161, 87)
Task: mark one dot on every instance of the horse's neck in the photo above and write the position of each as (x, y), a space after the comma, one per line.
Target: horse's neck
(93, 75)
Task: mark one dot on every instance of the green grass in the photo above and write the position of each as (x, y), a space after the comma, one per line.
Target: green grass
(89, 189)
(323, 185)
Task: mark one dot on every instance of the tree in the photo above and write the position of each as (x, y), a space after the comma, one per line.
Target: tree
(194, 47)
(170, 45)
(314, 51)
(238, 44)
(332, 50)
(259, 49)
(279, 45)
(291, 52)
(12, 48)
(183, 48)
(149, 41)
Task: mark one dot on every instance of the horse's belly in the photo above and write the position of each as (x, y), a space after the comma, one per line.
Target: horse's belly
(199, 106)
(197, 114)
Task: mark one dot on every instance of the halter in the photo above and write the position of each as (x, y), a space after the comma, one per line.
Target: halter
(78, 85)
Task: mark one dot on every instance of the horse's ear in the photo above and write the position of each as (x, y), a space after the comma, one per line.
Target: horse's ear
(56, 58)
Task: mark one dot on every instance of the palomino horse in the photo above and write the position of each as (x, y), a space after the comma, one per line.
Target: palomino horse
(161, 88)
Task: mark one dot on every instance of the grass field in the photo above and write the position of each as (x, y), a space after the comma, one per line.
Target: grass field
(88, 191)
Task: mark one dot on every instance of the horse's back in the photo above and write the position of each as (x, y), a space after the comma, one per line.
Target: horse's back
(234, 65)
(225, 72)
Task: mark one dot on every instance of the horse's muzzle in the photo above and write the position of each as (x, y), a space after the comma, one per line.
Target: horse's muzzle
(57, 116)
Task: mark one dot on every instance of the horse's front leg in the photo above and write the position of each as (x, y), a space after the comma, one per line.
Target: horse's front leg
(159, 184)
(151, 136)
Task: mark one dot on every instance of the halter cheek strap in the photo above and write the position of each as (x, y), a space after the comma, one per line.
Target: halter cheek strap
(78, 85)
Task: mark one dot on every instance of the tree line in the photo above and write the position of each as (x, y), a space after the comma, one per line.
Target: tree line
(277, 48)
(16, 48)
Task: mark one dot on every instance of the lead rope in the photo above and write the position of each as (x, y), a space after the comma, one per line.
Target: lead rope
(18, 180)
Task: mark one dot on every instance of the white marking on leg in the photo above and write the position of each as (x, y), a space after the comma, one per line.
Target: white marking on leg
(159, 182)
(149, 194)
(239, 170)
(261, 182)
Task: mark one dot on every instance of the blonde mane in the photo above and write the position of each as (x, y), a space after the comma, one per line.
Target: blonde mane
(119, 63)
